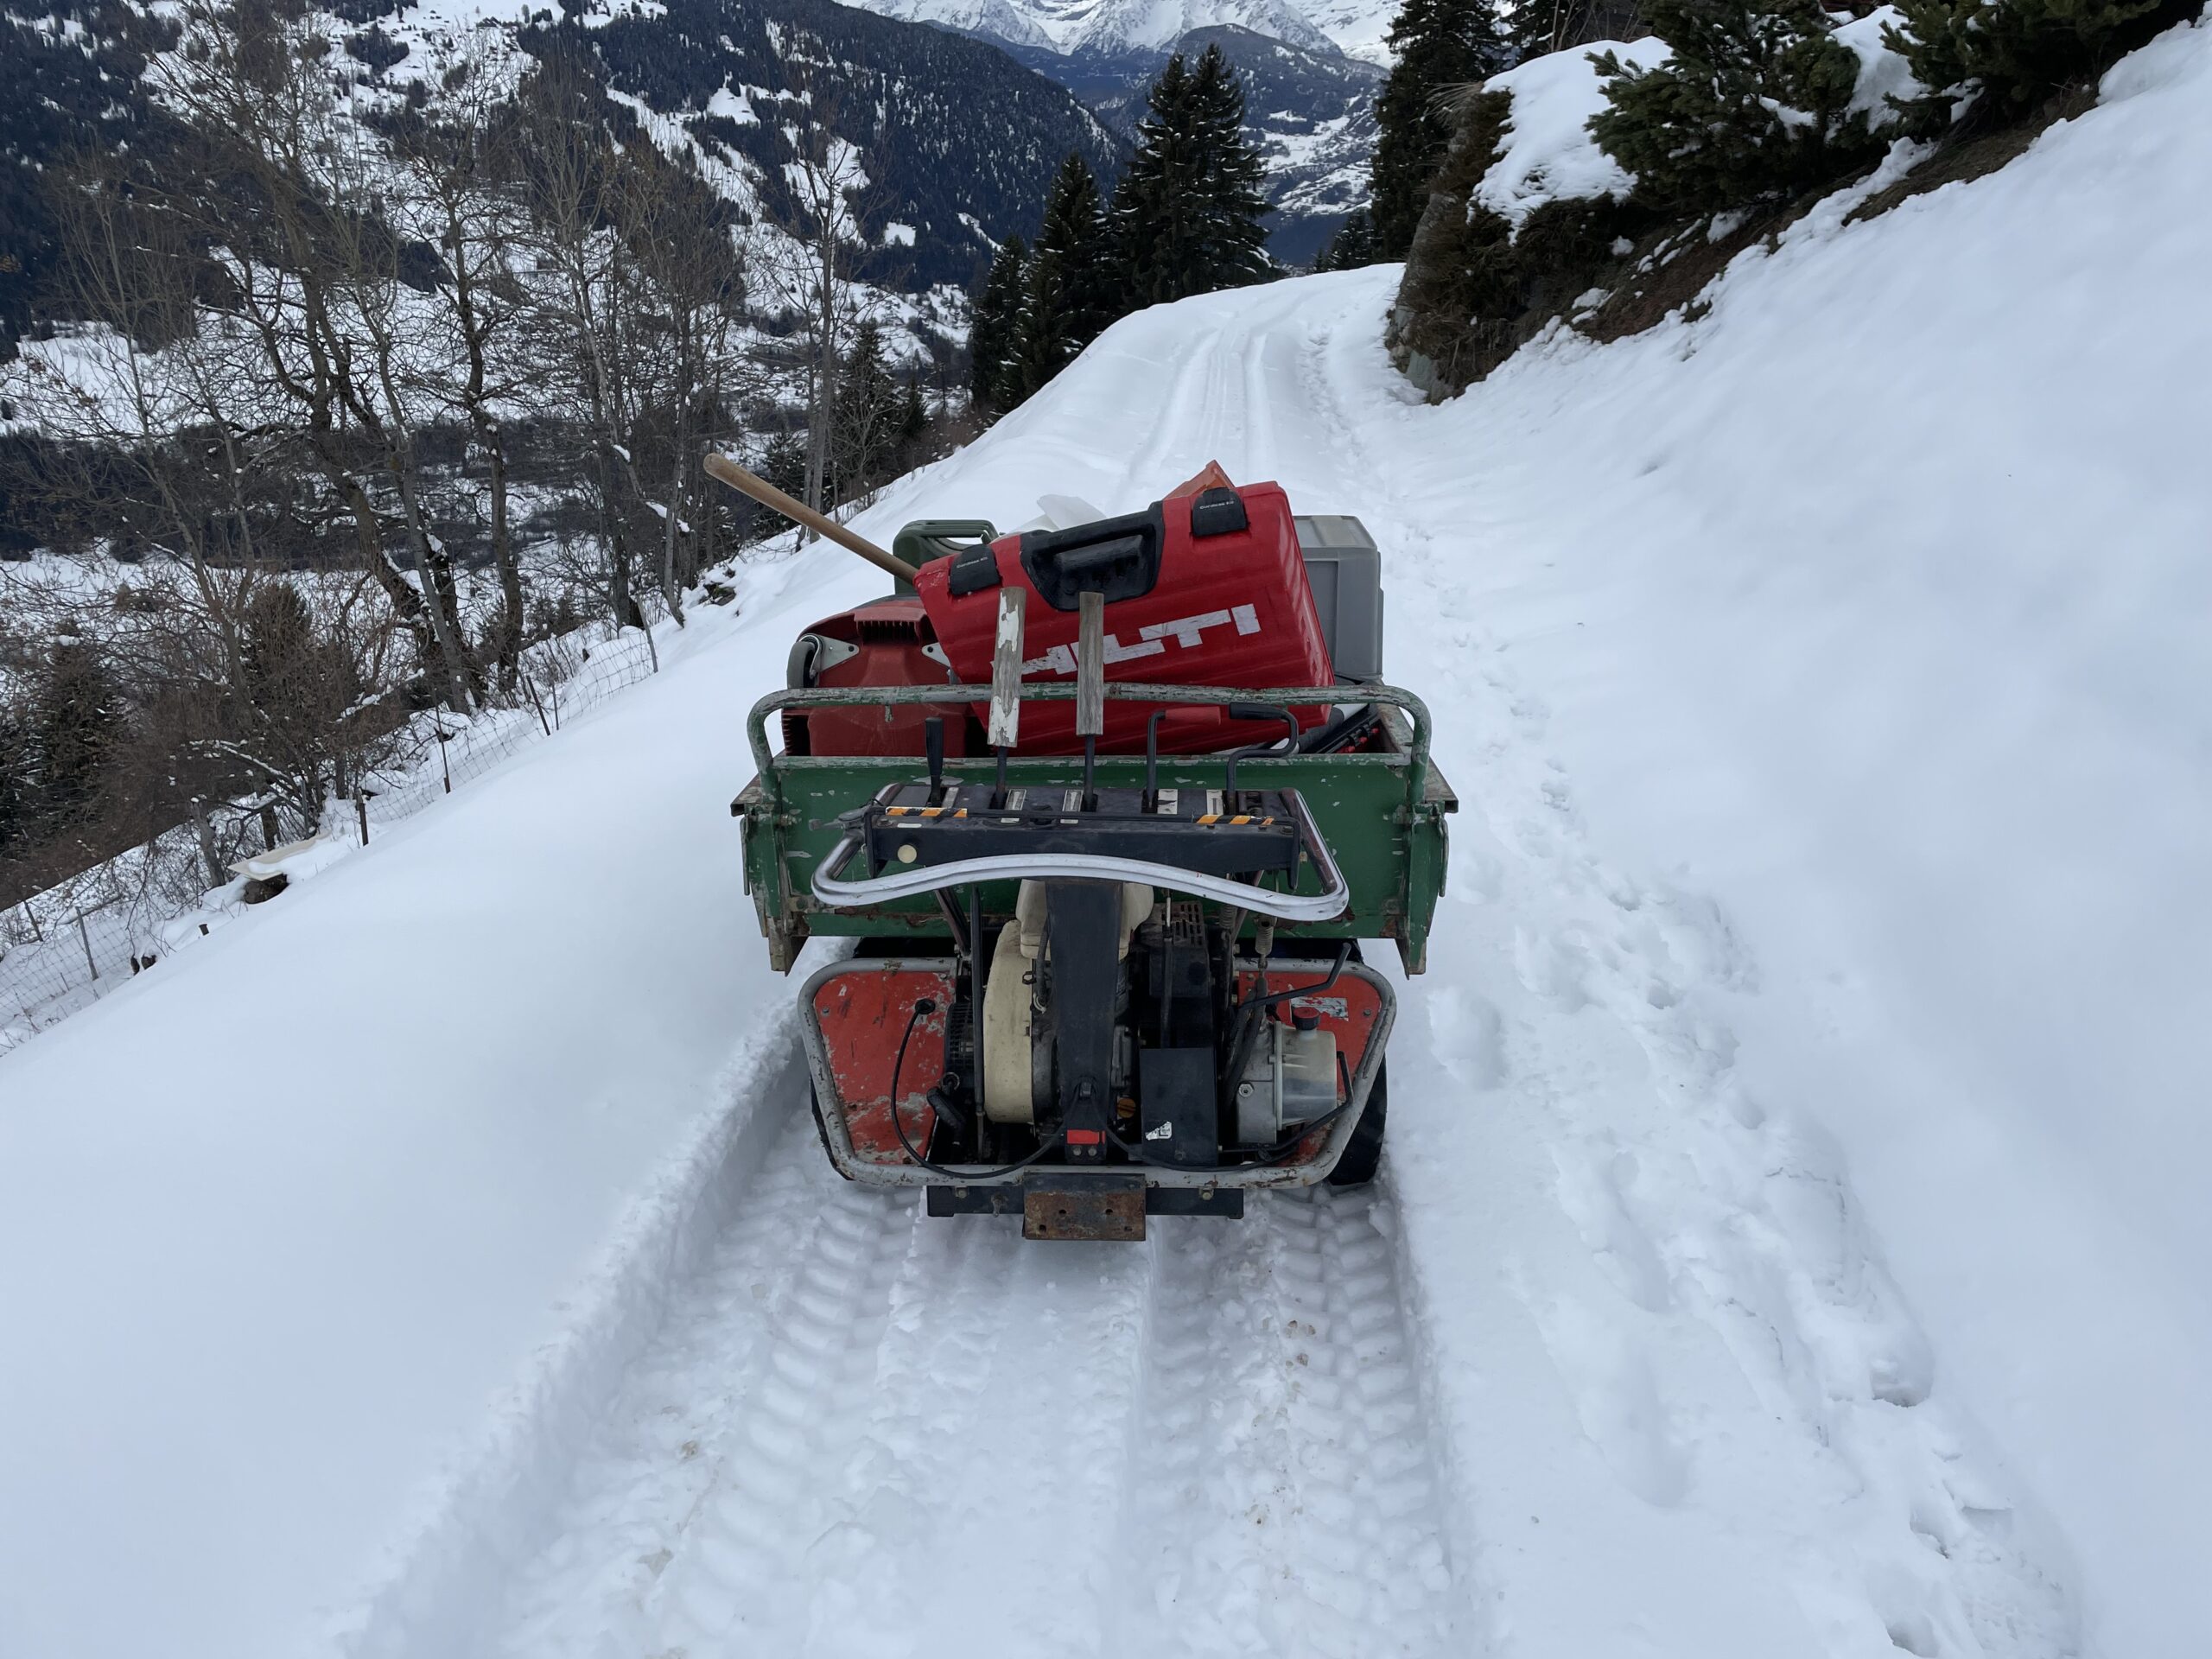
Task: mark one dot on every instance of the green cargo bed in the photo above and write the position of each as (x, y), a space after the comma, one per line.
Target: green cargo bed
(1381, 811)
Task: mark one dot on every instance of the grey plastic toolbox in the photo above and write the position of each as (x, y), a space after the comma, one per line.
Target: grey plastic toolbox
(1345, 568)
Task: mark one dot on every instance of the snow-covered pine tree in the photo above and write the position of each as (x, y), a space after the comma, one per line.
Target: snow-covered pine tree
(1999, 59)
(1234, 236)
(1069, 294)
(991, 328)
(1535, 28)
(1187, 215)
(1352, 246)
(1753, 105)
(1440, 44)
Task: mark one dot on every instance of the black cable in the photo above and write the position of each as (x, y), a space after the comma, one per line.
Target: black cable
(923, 1005)
(1336, 971)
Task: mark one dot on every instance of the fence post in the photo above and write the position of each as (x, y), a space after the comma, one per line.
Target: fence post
(553, 687)
(361, 811)
(84, 938)
(31, 916)
(207, 830)
(443, 766)
(652, 650)
(536, 704)
(268, 826)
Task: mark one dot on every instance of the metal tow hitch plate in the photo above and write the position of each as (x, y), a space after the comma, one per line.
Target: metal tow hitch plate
(1106, 1210)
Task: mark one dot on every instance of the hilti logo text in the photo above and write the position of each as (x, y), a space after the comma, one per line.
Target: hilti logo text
(1188, 632)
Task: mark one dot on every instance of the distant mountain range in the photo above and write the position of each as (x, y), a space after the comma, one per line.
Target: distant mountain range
(960, 109)
(959, 142)
(1082, 29)
(1310, 71)
(1312, 110)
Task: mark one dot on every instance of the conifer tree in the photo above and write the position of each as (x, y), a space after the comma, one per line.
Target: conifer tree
(1068, 298)
(1535, 28)
(783, 463)
(15, 776)
(2001, 58)
(1187, 215)
(75, 726)
(1351, 247)
(868, 414)
(914, 413)
(1440, 44)
(991, 328)
(1754, 104)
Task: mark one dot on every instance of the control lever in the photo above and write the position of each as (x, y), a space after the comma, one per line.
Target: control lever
(1253, 711)
(933, 746)
(1152, 760)
(1090, 688)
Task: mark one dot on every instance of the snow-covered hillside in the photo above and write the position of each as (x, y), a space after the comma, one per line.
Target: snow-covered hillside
(1791, 1242)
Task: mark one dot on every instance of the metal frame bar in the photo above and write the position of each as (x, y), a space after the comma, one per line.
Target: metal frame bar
(1323, 906)
(764, 759)
(1309, 1172)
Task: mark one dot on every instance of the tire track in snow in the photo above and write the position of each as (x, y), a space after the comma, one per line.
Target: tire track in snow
(863, 1432)
(678, 1480)
(1281, 1402)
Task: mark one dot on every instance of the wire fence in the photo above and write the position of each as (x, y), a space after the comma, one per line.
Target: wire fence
(62, 949)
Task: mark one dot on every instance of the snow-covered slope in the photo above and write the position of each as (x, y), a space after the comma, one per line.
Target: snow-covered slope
(1790, 1242)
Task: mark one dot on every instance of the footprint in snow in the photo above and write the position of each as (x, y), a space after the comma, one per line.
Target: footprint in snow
(1616, 1399)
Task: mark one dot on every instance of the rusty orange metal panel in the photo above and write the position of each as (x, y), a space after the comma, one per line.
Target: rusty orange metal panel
(863, 1013)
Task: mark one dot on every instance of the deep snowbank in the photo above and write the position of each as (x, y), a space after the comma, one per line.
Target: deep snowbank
(1878, 604)
(302, 1242)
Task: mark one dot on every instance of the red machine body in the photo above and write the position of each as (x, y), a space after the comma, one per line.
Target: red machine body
(1203, 590)
(885, 642)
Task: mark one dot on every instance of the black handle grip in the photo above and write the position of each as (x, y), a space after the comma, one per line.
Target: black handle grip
(1255, 711)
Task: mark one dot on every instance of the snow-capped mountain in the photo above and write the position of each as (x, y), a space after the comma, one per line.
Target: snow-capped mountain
(1110, 29)
(1310, 72)
(958, 144)
(1311, 109)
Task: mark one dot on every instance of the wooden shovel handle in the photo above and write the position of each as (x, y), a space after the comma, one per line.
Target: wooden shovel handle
(798, 513)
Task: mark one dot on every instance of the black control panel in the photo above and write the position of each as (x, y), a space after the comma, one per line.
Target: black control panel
(1254, 833)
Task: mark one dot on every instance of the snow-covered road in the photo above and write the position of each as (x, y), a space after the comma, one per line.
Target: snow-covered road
(863, 1432)
(439, 1262)
(1606, 1365)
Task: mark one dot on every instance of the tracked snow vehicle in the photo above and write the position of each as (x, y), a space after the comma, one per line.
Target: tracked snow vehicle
(1111, 811)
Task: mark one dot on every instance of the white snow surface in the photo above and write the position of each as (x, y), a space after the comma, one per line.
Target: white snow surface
(1790, 1242)
(1549, 153)
(1883, 73)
